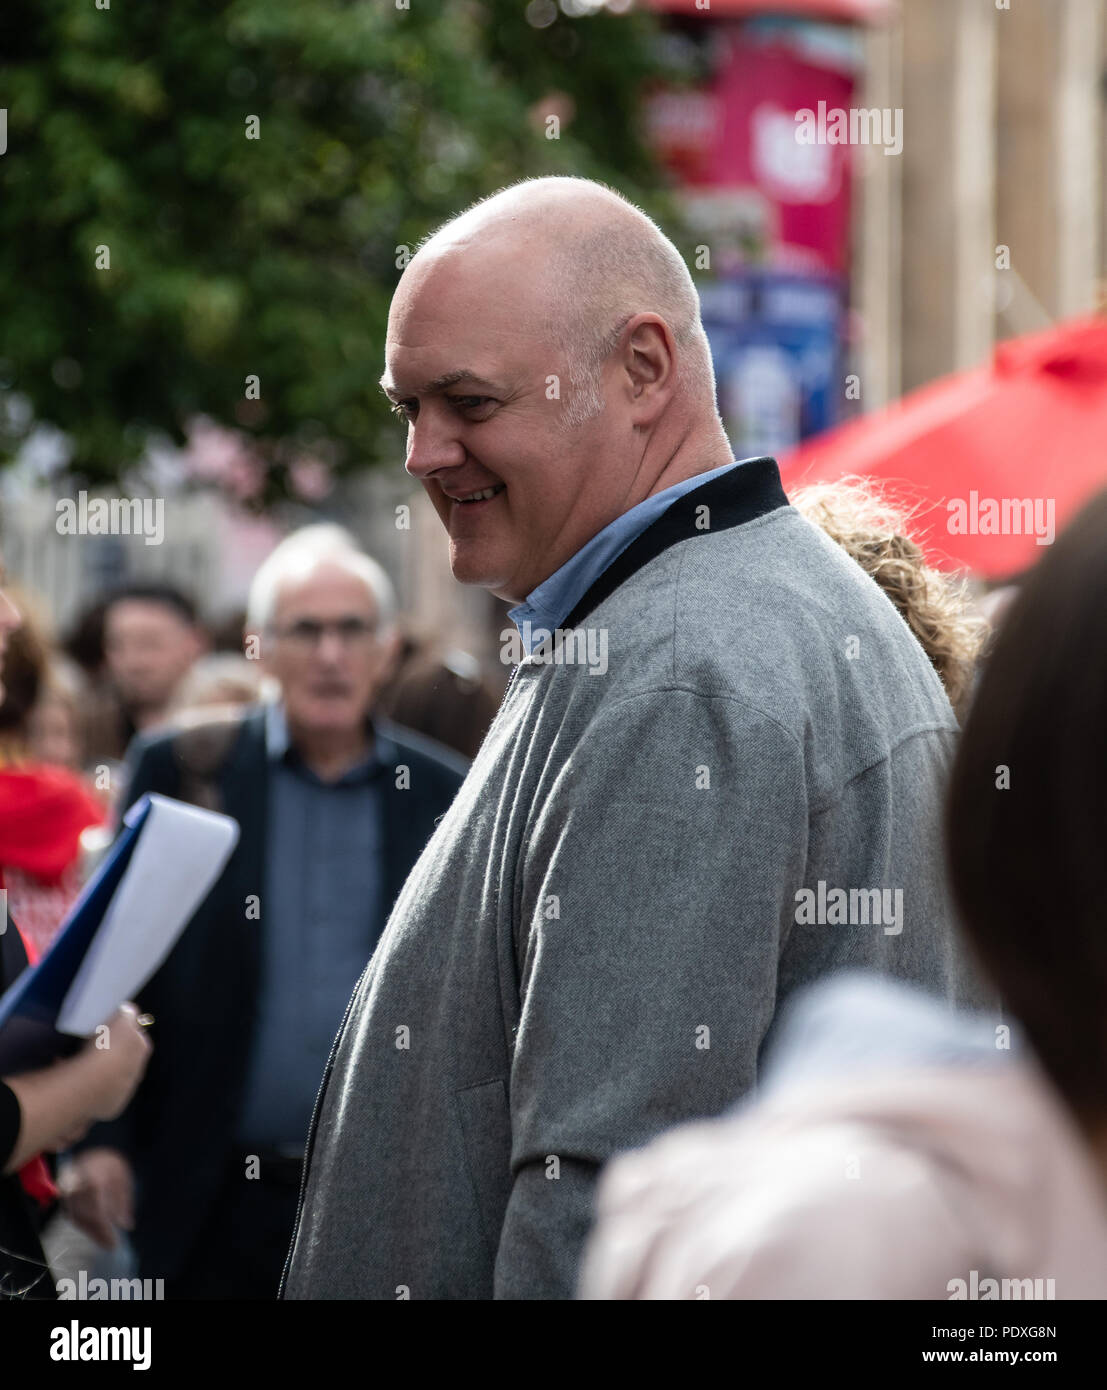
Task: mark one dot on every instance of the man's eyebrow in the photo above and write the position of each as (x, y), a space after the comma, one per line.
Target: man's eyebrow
(440, 383)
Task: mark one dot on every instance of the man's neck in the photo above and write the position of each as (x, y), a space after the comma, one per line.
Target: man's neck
(145, 717)
(330, 753)
(692, 456)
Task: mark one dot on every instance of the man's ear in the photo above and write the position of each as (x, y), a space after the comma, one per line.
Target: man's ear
(649, 361)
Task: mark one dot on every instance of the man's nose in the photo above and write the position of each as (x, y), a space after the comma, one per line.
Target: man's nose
(432, 445)
(331, 647)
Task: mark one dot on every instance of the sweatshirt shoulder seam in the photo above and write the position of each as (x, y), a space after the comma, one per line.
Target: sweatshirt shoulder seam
(917, 731)
(679, 687)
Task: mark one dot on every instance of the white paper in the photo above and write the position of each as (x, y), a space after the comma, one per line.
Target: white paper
(180, 852)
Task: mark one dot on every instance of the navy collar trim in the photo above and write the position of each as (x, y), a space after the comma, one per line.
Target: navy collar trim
(740, 495)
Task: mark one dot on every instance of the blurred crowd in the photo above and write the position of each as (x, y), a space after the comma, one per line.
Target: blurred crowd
(312, 711)
(133, 661)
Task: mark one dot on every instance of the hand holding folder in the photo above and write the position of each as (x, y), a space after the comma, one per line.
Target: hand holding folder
(118, 932)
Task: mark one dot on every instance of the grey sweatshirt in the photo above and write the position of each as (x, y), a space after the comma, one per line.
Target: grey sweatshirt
(639, 867)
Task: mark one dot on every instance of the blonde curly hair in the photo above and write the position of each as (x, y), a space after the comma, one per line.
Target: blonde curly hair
(935, 606)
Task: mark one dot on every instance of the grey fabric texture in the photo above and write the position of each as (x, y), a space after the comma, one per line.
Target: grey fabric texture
(594, 944)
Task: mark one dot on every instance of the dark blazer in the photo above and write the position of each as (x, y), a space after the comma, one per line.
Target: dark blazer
(179, 1130)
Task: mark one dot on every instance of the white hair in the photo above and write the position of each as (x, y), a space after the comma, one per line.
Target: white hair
(303, 552)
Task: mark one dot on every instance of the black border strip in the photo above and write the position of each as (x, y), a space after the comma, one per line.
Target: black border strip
(740, 495)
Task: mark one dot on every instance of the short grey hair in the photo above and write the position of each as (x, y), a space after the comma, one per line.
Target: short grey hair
(300, 555)
(623, 265)
(609, 277)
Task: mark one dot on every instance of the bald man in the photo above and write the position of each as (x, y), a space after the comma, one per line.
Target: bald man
(719, 732)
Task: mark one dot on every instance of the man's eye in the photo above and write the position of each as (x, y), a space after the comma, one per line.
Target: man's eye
(407, 410)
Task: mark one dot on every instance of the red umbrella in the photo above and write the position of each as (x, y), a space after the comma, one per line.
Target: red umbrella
(851, 11)
(999, 457)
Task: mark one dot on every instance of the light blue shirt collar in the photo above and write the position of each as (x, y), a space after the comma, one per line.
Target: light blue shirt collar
(276, 732)
(278, 741)
(546, 607)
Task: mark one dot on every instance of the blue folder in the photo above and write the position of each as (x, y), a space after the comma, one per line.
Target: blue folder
(30, 1007)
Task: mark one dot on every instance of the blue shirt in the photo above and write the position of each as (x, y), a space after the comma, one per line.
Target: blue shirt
(320, 911)
(546, 607)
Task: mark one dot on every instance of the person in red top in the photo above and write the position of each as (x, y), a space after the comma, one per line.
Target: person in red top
(44, 808)
(49, 1109)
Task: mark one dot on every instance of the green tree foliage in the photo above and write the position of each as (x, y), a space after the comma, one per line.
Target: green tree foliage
(276, 256)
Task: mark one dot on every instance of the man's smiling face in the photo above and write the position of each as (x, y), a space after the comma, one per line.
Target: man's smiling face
(469, 367)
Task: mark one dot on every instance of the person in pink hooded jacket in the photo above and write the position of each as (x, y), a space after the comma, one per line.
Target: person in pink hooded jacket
(897, 1150)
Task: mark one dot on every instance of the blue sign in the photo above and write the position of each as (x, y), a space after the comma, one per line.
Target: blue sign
(776, 341)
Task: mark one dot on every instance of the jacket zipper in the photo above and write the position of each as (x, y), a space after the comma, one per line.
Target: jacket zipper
(313, 1126)
(510, 683)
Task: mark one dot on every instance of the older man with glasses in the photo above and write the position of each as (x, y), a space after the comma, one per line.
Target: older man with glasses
(334, 809)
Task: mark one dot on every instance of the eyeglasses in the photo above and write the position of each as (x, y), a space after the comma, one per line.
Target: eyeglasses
(307, 633)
